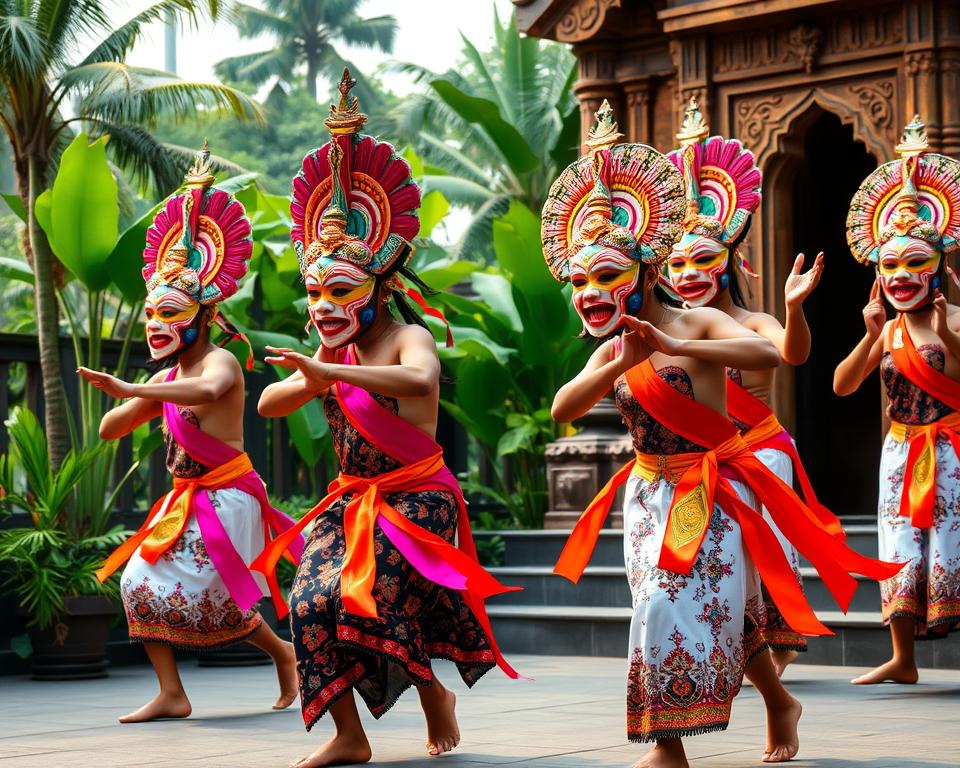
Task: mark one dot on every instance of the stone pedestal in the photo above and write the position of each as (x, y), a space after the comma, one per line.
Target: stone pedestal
(579, 466)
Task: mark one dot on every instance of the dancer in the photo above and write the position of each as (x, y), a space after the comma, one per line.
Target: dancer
(903, 221)
(722, 183)
(380, 590)
(693, 543)
(186, 584)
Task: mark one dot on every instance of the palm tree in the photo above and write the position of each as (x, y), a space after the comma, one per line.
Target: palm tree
(498, 127)
(45, 91)
(305, 32)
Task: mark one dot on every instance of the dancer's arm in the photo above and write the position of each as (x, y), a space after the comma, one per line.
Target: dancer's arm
(218, 374)
(126, 417)
(793, 340)
(416, 375)
(945, 324)
(597, 378)
(866, 355)
(721, 339)
(283, 397)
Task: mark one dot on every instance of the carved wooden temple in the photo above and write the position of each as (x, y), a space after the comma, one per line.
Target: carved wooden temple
(819, 90)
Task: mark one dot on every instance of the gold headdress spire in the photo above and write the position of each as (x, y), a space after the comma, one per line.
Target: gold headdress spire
(906, 207)
(200, 175)
(345, 116)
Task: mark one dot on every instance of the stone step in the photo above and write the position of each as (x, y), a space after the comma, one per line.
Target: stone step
(542, 547)
(606, 586)
(859, 638)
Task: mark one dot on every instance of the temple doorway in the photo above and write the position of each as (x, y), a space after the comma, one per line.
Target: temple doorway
(839, 438)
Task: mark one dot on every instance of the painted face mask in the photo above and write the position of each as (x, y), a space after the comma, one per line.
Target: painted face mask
(339, 295)
(908, 272)
(697, 268)
(170, 314)
(605, 283)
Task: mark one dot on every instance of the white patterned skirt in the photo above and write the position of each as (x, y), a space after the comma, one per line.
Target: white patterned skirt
(181, 600)
(928, 587)
(691, 635)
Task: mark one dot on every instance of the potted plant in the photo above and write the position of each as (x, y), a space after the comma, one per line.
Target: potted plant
(52, 561)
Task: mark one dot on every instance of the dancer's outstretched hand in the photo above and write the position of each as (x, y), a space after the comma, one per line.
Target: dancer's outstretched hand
(874, 314)
(650, 339)
(312, 370)
(110, 385)
(799, 284)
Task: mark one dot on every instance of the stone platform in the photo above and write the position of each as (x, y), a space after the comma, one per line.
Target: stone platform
(572, 716)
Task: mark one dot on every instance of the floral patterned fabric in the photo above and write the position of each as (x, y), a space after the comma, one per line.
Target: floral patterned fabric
(909, 404)
(417, 620)
(928, 587)
(649, 435)
(691, 635)
(181, 600)
(179, 462)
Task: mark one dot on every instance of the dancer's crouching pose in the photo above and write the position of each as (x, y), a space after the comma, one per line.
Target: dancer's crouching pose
(381, 589)
(693, 542)
(187, 583)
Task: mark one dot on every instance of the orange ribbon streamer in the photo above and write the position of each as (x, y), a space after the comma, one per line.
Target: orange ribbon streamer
(692, 504)
(918, 498)
(158, 535)
(766, 431)
(359, 571)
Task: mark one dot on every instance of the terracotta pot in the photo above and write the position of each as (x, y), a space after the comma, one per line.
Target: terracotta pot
(75, 646)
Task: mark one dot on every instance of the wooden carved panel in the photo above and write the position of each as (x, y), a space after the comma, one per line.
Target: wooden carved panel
(867, 104)
(805, 46)
(583, 20)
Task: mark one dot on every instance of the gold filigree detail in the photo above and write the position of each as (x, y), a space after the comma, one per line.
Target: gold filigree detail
(689, 516)
(923, 467)
(605, 133)
(200, 175)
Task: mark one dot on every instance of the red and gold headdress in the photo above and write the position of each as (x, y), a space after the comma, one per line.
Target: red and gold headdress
(625, 196)
(199, 241)
(916, 196)
(354, 198)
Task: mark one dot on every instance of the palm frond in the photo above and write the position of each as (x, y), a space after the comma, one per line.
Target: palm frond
(375, 32)
(120, 41)
(476, 244)
(62, 22)
(253, 21)
(118, 92)
(258, 67)
(21, 48)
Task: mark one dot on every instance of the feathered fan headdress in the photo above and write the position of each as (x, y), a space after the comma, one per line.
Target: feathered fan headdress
(355, 199)
(200, 243)
(917, 195)
(625, 196)
(721, 180)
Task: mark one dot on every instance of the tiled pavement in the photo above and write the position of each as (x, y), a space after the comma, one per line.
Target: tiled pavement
(572, 715)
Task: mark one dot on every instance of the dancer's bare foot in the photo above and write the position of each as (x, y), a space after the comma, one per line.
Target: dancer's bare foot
(163, 705)
(782, 659)
(894, 671)
(665, 754)
(439, 707)
(342, 749)
(783, 740)
(287, 674)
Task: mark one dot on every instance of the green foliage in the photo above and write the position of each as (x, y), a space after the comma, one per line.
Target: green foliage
(515, 345)
(58, 555)
(501, 125)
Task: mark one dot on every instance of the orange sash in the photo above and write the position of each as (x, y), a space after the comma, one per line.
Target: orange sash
(359, 572)
(766, 431)
(158, 535)
(701, 484)
(919, 493)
